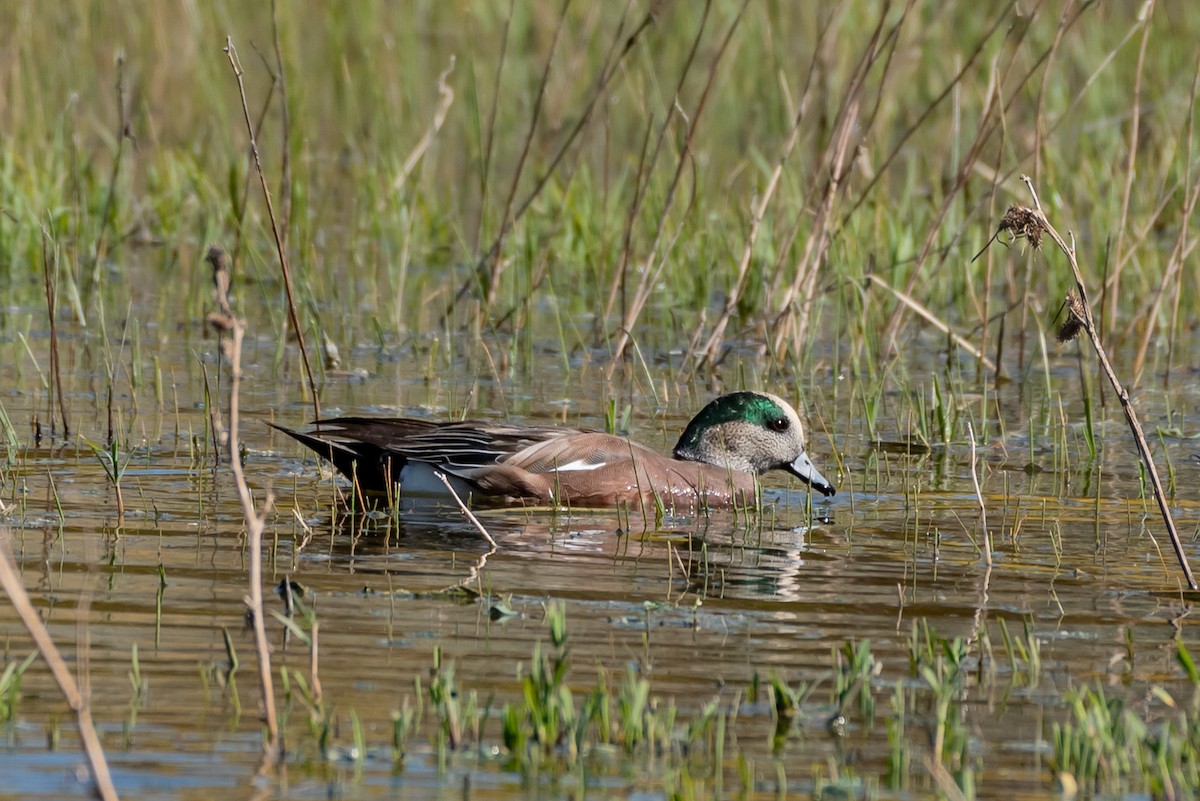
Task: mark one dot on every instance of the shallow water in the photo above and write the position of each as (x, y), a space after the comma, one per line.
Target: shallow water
(699, 606)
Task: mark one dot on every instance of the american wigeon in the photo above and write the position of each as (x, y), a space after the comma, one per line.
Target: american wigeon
(733, 439)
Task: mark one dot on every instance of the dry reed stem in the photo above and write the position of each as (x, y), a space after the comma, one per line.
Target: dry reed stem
(898, 147)
(620, 49)
(240, 219)
(10, 578)
(485, 167)
(1114, 283)
(1014, 95)
(123, 130)
(1135, 427)
(925, 314)
(655, 262)
(641, 181)
(496, 262)
(1049, 131)
(987, 539)
(1187, 178)
(937, 771)
(52, 312)
(1183, 248)
(232, 330)
(1039, 132)
(446, 95)
(285, 133)
(707, 354)
(646, 167)
(991, 117)
(236, 65)
(470, 515)
(794, 309)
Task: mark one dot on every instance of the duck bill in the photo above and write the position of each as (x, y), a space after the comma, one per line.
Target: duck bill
(804, 470)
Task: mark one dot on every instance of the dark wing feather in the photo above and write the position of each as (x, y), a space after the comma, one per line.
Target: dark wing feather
(373, 450)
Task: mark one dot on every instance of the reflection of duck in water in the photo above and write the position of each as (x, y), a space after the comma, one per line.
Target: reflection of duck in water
(731, 441)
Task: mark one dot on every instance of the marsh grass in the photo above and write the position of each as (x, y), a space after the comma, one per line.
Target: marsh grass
(651, 201)
(592, 191)
(1136, 737)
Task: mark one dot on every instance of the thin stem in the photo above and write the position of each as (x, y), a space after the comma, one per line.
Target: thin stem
(1139, 438)
(10, 578)
(233, 330)
(231, 52)
(470, 515)
(987, 539)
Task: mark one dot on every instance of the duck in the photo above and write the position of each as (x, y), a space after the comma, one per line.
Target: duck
(716, 463)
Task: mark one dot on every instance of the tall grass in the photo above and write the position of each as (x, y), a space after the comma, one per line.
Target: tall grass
(744, 184)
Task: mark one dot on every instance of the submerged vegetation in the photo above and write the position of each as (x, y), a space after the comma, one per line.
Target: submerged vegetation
(603, 215)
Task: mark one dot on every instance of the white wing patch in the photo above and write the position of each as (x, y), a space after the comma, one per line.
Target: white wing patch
(579, 466)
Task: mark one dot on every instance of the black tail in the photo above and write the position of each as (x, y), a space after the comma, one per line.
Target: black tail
(368, 466)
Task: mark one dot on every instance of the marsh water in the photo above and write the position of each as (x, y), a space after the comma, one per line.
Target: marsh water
(699, 605)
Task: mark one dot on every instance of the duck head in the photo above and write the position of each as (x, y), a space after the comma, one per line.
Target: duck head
(753, 432)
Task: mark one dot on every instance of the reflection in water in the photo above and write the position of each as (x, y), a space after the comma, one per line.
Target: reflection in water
(698, 605)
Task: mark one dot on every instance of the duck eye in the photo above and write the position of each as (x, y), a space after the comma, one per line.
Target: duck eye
(779, 424)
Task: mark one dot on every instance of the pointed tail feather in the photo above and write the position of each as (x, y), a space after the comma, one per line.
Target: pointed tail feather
(369, 466)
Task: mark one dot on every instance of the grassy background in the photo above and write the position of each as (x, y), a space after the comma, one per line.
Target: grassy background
(123, 156)
(930, 160)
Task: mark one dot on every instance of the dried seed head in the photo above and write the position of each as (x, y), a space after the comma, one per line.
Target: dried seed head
(222, 323)
(220, 262)
(1076, 317)
(1023, 222)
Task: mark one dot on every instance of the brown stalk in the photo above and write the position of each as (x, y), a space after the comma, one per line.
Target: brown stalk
(232, 330)
(1046, 57)
(986, 302)
(123, 130)
(1035, 221)
(446, 99)
(794, 307)
(990, 119)
(928, 316)
(607, 71)
(80, 702)
(485, 168)
(240, 211)
(706, 354)
(51, 309)
(1014, 95)
(1183, 248)
(285, 134)
(987, 538)
(1039, 128)
(1179, 256)
(1071, 14)
(920, 121)
(655, 262)
(236, 65)
(641, 182)
(1187, 181)
(496, 263)
(1109, 320)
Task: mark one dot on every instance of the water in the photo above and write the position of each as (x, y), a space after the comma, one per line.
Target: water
(699, 606)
